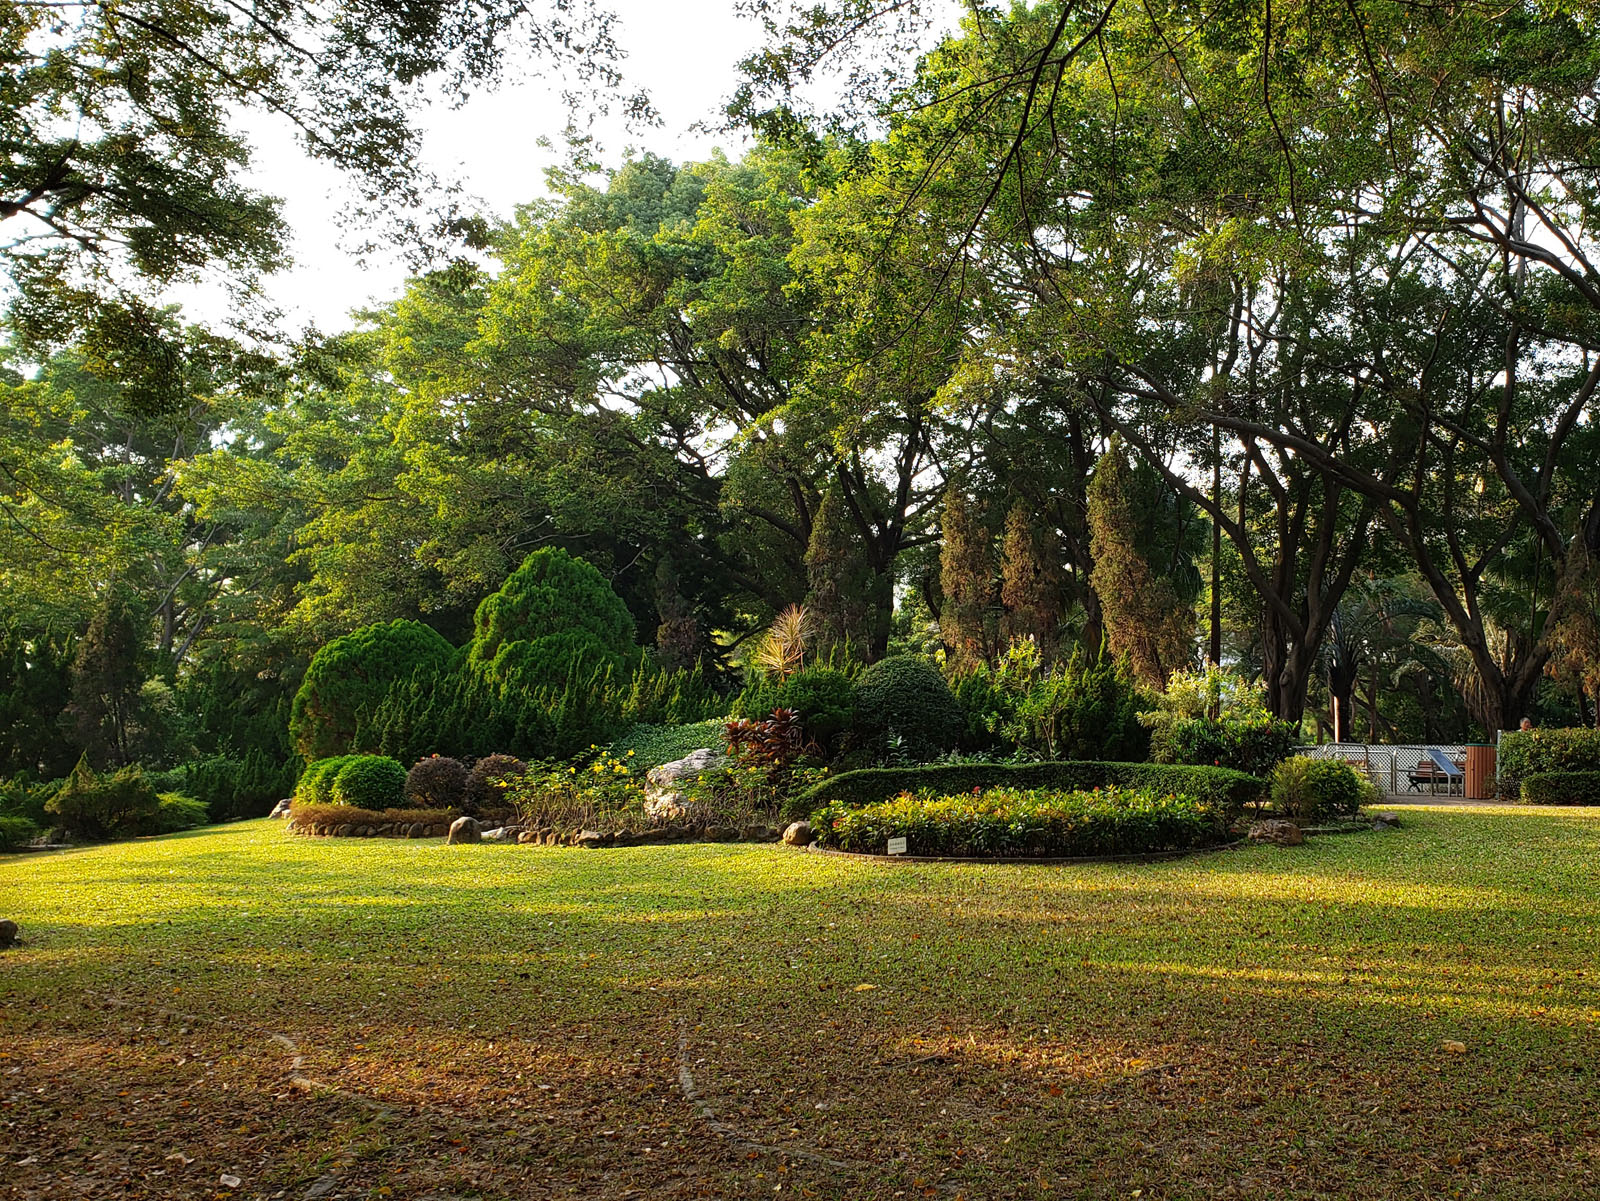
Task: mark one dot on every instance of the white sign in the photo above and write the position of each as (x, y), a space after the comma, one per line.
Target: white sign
(897, 846)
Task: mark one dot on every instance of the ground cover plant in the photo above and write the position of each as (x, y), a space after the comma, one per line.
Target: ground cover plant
(1026, 822)
(1400, 1015)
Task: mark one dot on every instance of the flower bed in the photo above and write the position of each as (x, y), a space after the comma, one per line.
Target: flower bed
(1026, 823)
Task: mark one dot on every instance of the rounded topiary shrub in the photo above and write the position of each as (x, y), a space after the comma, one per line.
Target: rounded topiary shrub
(552, 614)
(1307, 789)
(350, 676)
(437, 782)
(316, 782)
(485, 781)
(370, 782)
(905, 697)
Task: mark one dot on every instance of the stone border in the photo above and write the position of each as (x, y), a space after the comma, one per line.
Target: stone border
(547, 837)
(1041, 860)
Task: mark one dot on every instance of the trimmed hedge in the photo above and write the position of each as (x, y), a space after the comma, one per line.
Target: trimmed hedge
(906, 697)
(1561, 788)
(340, 815)
(1221, 787)
(1026, 823)
(1526, 753)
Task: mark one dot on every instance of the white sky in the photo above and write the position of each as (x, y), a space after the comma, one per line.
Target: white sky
(681, 51)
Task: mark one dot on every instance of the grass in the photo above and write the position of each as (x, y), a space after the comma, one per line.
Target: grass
(500, 1021)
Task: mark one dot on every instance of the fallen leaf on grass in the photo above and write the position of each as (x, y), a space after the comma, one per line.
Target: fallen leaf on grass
(1452, 1047)
(865, 987)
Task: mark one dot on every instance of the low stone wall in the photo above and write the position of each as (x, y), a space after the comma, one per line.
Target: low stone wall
(657, 836)
(350, 830)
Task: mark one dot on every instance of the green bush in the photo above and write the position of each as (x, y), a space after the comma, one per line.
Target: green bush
(232, 787)
(1533, 752)
(1026, 822)
(176, 812)
(647, 746)
(905, 698)
(1216, 787)
(316, 782)
(16, 830)
(1254, 743)
(824, 697)
(1561, 788)
(1081, 710)
(22, 796)
(437, 782)
(350, 676)
(985, 705)
(552, 614)
(94, 806)
(1312, 790)
(370, 782)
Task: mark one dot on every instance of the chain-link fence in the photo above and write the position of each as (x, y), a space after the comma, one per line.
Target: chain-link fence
(1401, 771)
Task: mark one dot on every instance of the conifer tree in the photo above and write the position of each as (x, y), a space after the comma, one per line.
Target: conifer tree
(1144, 619)
(1030, 583)
(106, 678)
(967, 578)
(841, 600)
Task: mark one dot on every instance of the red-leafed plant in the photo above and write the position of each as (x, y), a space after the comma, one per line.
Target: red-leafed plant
(774, 742)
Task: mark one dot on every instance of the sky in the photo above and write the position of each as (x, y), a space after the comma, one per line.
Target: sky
(681, 51)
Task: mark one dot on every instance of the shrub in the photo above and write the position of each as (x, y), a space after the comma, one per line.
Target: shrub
(1026, 822)
(16, 830)
(774, 742)
(824, 697)
(370, 782)
(316, 782)
(984, 704)
(92, 806)
(1311, 790)
(487, 779)
(904, 697)
(1254, 743)
(1561, 788)
(27, 798)
(1532, 752)
(231, 787)
(1216, 787)
(437, 782)
(176, 812)
(1080, 710)
(349, 677)
(340, 815)
(647, 746)
(552, 614)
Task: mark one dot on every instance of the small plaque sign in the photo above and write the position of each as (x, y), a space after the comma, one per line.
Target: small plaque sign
(897, 846)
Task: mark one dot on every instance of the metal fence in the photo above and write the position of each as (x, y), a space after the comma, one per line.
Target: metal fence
(1401, 771)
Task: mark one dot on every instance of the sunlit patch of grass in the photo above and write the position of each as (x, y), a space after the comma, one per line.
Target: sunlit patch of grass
(1267, 1021)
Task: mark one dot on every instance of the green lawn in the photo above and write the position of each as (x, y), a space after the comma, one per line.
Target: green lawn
(499, 1021)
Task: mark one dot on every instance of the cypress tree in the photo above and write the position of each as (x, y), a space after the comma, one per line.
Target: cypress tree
(966, 576)
(1143, 616)
(1030, 587)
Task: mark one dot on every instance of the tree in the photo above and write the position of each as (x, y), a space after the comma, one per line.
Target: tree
(124, 170)
(349, 677)
(1029, 587)
(844, 601)
(1144, 618)
(967, 581)
(106, 678)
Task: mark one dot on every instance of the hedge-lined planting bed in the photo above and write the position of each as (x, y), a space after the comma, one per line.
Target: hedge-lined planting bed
(1561, 788)
(1218, 787)
(1525, 753)
(1022, 823)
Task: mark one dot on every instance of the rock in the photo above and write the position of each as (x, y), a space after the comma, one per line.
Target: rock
(1385, 821)
(799, 834)
(663, 801)
(439, 830)
(345, 831)
(464, 829)
(528, 836)
(281, 809)
(589, 838)
(498, 834)
(1278, 832)
(624, 838)
(8, 933)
